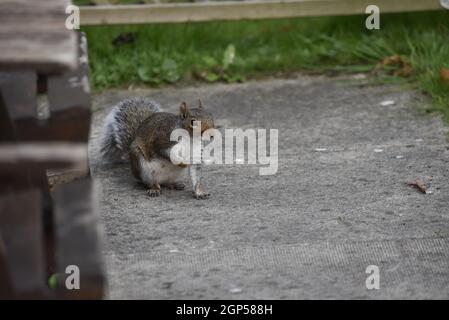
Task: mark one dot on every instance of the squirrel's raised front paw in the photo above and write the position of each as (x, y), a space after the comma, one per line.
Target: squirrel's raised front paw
(201, 195)
(154, 192)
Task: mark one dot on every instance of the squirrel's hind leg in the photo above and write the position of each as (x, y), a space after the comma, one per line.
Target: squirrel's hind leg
(145, 171)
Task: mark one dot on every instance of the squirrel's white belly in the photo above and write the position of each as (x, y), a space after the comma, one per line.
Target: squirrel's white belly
(159, 171)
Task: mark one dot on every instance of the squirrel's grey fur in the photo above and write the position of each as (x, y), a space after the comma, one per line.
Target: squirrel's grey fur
(121, 126)
(136, 130)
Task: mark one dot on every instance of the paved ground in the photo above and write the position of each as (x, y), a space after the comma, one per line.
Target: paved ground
(309, 231)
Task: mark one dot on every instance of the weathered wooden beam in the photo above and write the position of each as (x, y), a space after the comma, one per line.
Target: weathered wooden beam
(68, 120)
(69, 106)
(233, 10)
(7, 129)
(6, 287)
(33, 36)
(21, 232)
(18, 103)
(72, 88)
(70, 125)
(70, 101)
(19, 91)
(78, 238)
(42, 156)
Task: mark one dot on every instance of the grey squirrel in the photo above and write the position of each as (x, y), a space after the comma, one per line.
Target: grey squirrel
(137, 130)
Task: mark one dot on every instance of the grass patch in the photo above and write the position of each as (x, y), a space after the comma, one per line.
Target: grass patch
(234, 51)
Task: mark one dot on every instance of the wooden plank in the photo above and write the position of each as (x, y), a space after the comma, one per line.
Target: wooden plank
(72, 125)
(69, 104)
(42, 156)
(17, 101)
(233, 10)
(33, 36)
(72, 88)
(21, 230)
(19, 91)
(6, 287)
(7, 129)
(70, 101)
(19, 95)
(78, 237)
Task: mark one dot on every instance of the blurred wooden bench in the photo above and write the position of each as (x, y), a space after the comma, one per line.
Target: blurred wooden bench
(44, 231)
(200, 11)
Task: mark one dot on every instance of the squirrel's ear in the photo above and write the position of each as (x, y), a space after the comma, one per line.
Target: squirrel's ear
(184, 110)
(200, 104)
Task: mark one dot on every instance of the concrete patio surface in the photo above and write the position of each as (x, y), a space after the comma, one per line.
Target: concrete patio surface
(338, 203)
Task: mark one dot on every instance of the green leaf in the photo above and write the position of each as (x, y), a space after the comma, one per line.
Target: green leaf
(210, 61)
(149, 75)
(172, 76)
(212, 77)
(53, 281)
(234, 78)
(228, 56)
(169, 65)
(170, 70)
(144, 74)
(155, 70)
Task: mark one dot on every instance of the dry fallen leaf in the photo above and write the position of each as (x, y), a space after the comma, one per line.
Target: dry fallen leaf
(444, 74)
(404, 69)
(418, 186)
(396, 59)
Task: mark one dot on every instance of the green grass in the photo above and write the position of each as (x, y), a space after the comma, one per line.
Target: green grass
(235, 51)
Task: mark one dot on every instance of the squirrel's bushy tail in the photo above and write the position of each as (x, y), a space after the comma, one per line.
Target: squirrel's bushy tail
(121, 125)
